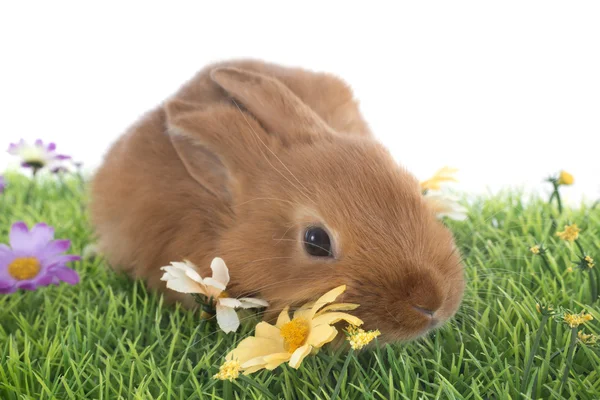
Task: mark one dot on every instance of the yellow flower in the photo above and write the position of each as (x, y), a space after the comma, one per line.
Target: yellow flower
(535, 249)
(291, 340)
(230, 370)
(359, 338)
(443, 175)
(544, 309)
(570, 269)
(571, 233)
(574, 320)
(590, 261)
(565, 178)
(588, 338)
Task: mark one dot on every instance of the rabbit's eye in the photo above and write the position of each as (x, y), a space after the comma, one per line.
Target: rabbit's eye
(317, 242)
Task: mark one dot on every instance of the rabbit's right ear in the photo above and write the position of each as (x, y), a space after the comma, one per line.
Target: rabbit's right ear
(218, 144)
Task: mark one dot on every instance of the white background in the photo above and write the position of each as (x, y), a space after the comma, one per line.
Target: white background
(508, 92)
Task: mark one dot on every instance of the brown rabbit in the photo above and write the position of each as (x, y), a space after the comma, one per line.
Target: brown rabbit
(274, 170)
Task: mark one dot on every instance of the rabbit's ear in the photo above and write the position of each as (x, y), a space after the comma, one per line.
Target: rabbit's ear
(218, 144)
(277, 108)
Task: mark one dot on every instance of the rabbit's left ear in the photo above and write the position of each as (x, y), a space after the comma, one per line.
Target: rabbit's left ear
(275, 106)
(218, 144)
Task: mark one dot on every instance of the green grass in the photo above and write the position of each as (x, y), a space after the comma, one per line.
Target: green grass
(108, 338)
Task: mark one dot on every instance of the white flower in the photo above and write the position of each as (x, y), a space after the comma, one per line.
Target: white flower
(37, 155)
(446, 205)
(182, 277)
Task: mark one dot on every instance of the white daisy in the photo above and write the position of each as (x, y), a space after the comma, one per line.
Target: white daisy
(37, 155)
(445, 205)
(182, 277)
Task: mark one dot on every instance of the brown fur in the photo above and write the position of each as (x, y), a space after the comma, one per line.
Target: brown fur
(239, 162)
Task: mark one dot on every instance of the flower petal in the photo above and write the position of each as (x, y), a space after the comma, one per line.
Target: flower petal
(266, 330)
(273, 361)
(456, 215)
(166, 277)
(185, 285)
(56, 246)
(188, 268)
(327, 298)
(193, 275)
(215, 284)
(8, 289)
(253, 347)
(254, 362)
(299, 355)
(45, 279)
(284, 317)
(230, 302)
(227, 319)
(26, 285)
(4, 250)
(320, 335)
(333, 317)
(40, 235)
(220, 271)
(249, 302)
(6, 283)
(67, 275)
(338, 307)
(19, 236)
(173, 271)
(60, 260)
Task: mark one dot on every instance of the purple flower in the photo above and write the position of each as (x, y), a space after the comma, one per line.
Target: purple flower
(35, 156)
(2, 184)
(34, 259)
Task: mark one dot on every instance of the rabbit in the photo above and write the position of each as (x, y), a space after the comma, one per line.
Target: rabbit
(275, 170)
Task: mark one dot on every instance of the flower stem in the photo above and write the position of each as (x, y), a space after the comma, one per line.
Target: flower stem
(569, 359)
(593, 287)
(30, 188)
(80, 178)
(580, 247)
(558, 200)
(532, 353)
(343, 374)
(546, 263)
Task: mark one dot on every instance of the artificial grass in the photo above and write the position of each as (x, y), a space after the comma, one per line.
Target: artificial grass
(108, 338)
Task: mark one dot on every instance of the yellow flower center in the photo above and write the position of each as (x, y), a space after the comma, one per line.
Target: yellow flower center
(590, 261)
(24, 268)
(230, 370)
(535, 249)
(223, 295)
(587, 338)
(571, 233)
(294, 333)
